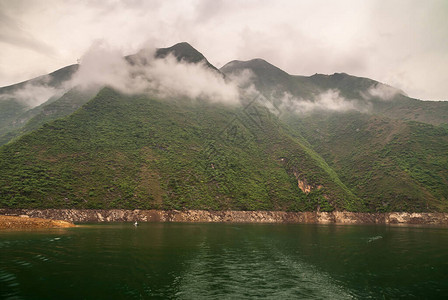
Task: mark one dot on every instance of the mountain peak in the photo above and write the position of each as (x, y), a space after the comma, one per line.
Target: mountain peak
(182, 51)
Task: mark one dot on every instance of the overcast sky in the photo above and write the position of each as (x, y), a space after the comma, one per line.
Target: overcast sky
(403, 43)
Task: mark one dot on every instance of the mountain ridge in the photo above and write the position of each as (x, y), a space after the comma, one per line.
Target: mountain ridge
(19, 119)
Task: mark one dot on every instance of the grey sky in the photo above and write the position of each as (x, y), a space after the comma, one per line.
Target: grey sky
(403, 43)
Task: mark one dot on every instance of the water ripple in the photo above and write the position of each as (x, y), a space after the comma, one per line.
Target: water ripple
(254, 272)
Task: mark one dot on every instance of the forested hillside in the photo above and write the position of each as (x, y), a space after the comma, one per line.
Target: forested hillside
(292, 143)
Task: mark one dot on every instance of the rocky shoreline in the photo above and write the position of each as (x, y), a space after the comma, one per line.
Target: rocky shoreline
(120, 215)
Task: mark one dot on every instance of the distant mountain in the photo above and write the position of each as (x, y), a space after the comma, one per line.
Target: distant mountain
(321, 142)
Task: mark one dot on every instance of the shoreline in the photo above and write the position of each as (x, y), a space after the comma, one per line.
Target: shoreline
(25, 222)
(204, 216)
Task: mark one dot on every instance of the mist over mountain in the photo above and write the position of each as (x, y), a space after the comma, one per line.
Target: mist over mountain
(166, 72)
(164, 128)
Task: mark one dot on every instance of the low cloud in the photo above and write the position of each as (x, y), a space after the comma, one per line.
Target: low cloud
(242, 78)
(382, 91)
(33, 95)
(167, 77)
(330, 100)
(164, 77)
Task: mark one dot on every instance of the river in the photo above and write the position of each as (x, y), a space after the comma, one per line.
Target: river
(224, 261)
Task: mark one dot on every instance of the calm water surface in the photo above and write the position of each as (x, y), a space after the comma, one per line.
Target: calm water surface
(224, 261)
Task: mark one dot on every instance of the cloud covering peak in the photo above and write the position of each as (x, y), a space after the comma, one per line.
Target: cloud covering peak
(402, 43)
(145, 74)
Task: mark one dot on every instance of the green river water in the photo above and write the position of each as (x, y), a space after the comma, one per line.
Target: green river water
(225, 261)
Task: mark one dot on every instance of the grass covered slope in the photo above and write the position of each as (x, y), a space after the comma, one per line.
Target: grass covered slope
(136, 152)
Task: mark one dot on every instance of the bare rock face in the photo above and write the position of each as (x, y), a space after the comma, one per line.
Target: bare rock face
(337, 217)
(303, 183)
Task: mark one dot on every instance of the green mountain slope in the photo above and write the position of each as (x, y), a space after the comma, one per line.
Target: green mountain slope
(16, 101)
(383, 158)
(137, 152)
(10, 111)
(47, 112)
(394, 165)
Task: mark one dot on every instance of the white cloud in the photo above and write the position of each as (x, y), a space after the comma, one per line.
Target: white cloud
(330, 100)
(402, 43)
(104, 66)
(33, 95)
(382, 91)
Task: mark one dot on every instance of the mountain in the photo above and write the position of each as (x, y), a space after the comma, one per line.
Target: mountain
(268, 79)
(382, 157)
(54, 79)
(394, 165)
(184, 52)
(369, 96)
(333, 144)
(17, 116)
(49, 111)
(181, 51)
(17, 100)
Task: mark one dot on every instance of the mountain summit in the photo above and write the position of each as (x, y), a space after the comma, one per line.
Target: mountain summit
(182, 51)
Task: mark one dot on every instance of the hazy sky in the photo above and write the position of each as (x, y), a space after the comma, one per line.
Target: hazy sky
(403, 43)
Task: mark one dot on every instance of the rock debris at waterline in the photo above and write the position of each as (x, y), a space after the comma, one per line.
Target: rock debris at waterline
(118, 215)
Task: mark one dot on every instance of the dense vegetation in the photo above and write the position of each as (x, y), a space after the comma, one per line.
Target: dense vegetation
(117, 151)
(136, 152)
(394, 165)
